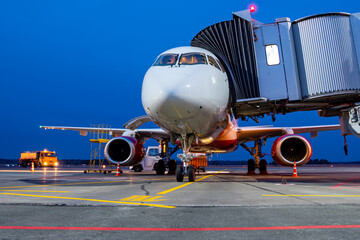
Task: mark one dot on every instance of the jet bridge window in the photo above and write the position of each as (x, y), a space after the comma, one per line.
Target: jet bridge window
(192, 58)
(166, 60)
(212, 62)
(272, 55)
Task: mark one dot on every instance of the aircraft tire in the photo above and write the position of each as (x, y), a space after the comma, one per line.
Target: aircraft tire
(179, 173)
(192, 173)
(251, 167)
(263, 167)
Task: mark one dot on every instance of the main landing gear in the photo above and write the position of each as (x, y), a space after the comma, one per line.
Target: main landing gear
(255, 151)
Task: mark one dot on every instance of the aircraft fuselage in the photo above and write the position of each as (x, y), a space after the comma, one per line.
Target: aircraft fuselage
(186, 91)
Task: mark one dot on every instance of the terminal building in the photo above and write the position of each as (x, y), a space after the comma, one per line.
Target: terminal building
(312, 63)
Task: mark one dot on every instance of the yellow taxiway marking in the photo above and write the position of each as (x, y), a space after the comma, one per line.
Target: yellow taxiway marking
(186, 184)
(83, 183)
(139, 198)
(303, 195)
(3, 190)
(91, 200)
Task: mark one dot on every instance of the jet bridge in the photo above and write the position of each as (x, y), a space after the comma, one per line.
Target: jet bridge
(308, 64)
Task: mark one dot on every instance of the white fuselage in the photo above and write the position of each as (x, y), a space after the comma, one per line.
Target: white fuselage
(186, 97)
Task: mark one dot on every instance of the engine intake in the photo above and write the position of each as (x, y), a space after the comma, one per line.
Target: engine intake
(125, 150)
(288, 149)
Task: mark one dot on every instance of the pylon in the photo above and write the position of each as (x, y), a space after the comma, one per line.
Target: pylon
(118, 170)
(32, 167)
(295, 171)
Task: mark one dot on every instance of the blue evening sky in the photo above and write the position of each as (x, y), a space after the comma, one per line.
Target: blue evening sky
(77, 63)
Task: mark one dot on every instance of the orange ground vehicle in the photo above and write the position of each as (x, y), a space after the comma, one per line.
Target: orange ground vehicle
(199, 162)
(43, 158)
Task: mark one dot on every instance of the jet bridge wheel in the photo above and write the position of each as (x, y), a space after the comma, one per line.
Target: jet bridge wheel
(192, 173)
(251, 167)
(179, 173)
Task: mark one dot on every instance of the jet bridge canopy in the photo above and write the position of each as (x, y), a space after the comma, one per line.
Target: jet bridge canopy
(308, 64)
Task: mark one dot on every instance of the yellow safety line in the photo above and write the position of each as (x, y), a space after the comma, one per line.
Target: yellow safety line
(139, 198)
(3, 190)
(186, 184)
(81, 183)
(302, 195)
(131, 198)
(91, 200)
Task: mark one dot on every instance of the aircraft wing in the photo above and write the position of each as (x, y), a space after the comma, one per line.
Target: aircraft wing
(246, 134)
(156, 133)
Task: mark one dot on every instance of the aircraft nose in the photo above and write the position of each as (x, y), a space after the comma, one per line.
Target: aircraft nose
(170, 95)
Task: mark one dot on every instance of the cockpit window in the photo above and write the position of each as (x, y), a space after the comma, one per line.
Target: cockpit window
(212, 62)
(192, 58)
(166, 59)
(222, 67)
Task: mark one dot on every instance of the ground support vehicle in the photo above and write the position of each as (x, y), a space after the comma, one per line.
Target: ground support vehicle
(43, 158)
(154, 161)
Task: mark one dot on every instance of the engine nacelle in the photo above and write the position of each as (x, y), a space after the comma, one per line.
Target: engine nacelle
(125, 150)
(292, 148)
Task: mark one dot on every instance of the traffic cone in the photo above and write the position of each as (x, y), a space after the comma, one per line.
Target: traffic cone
(295, 171)
(32, 167)
(118, 170)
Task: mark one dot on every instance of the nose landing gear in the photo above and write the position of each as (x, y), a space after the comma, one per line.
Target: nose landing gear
(184, 169)
(185, 158)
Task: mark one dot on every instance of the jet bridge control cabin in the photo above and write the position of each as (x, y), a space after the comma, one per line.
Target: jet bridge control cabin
(312, 63)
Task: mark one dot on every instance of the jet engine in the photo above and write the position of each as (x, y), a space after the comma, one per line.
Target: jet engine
(126, 150)
(292, 148)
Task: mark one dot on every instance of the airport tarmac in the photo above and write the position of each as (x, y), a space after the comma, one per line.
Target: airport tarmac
(223, 203)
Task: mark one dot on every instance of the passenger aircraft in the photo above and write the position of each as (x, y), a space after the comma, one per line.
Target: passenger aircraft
(186, 93)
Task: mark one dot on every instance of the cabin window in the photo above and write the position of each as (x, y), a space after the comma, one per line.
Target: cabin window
(212, 62)
(272, 55)
(166, 60)
(192, 58)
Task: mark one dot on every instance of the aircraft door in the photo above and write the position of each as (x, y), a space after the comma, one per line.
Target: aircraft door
(272, 82)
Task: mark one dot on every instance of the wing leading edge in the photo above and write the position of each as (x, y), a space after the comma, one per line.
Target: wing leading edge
(246, 134)
(156, 133)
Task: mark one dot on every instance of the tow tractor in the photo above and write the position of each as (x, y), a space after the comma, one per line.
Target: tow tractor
(155, 160)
